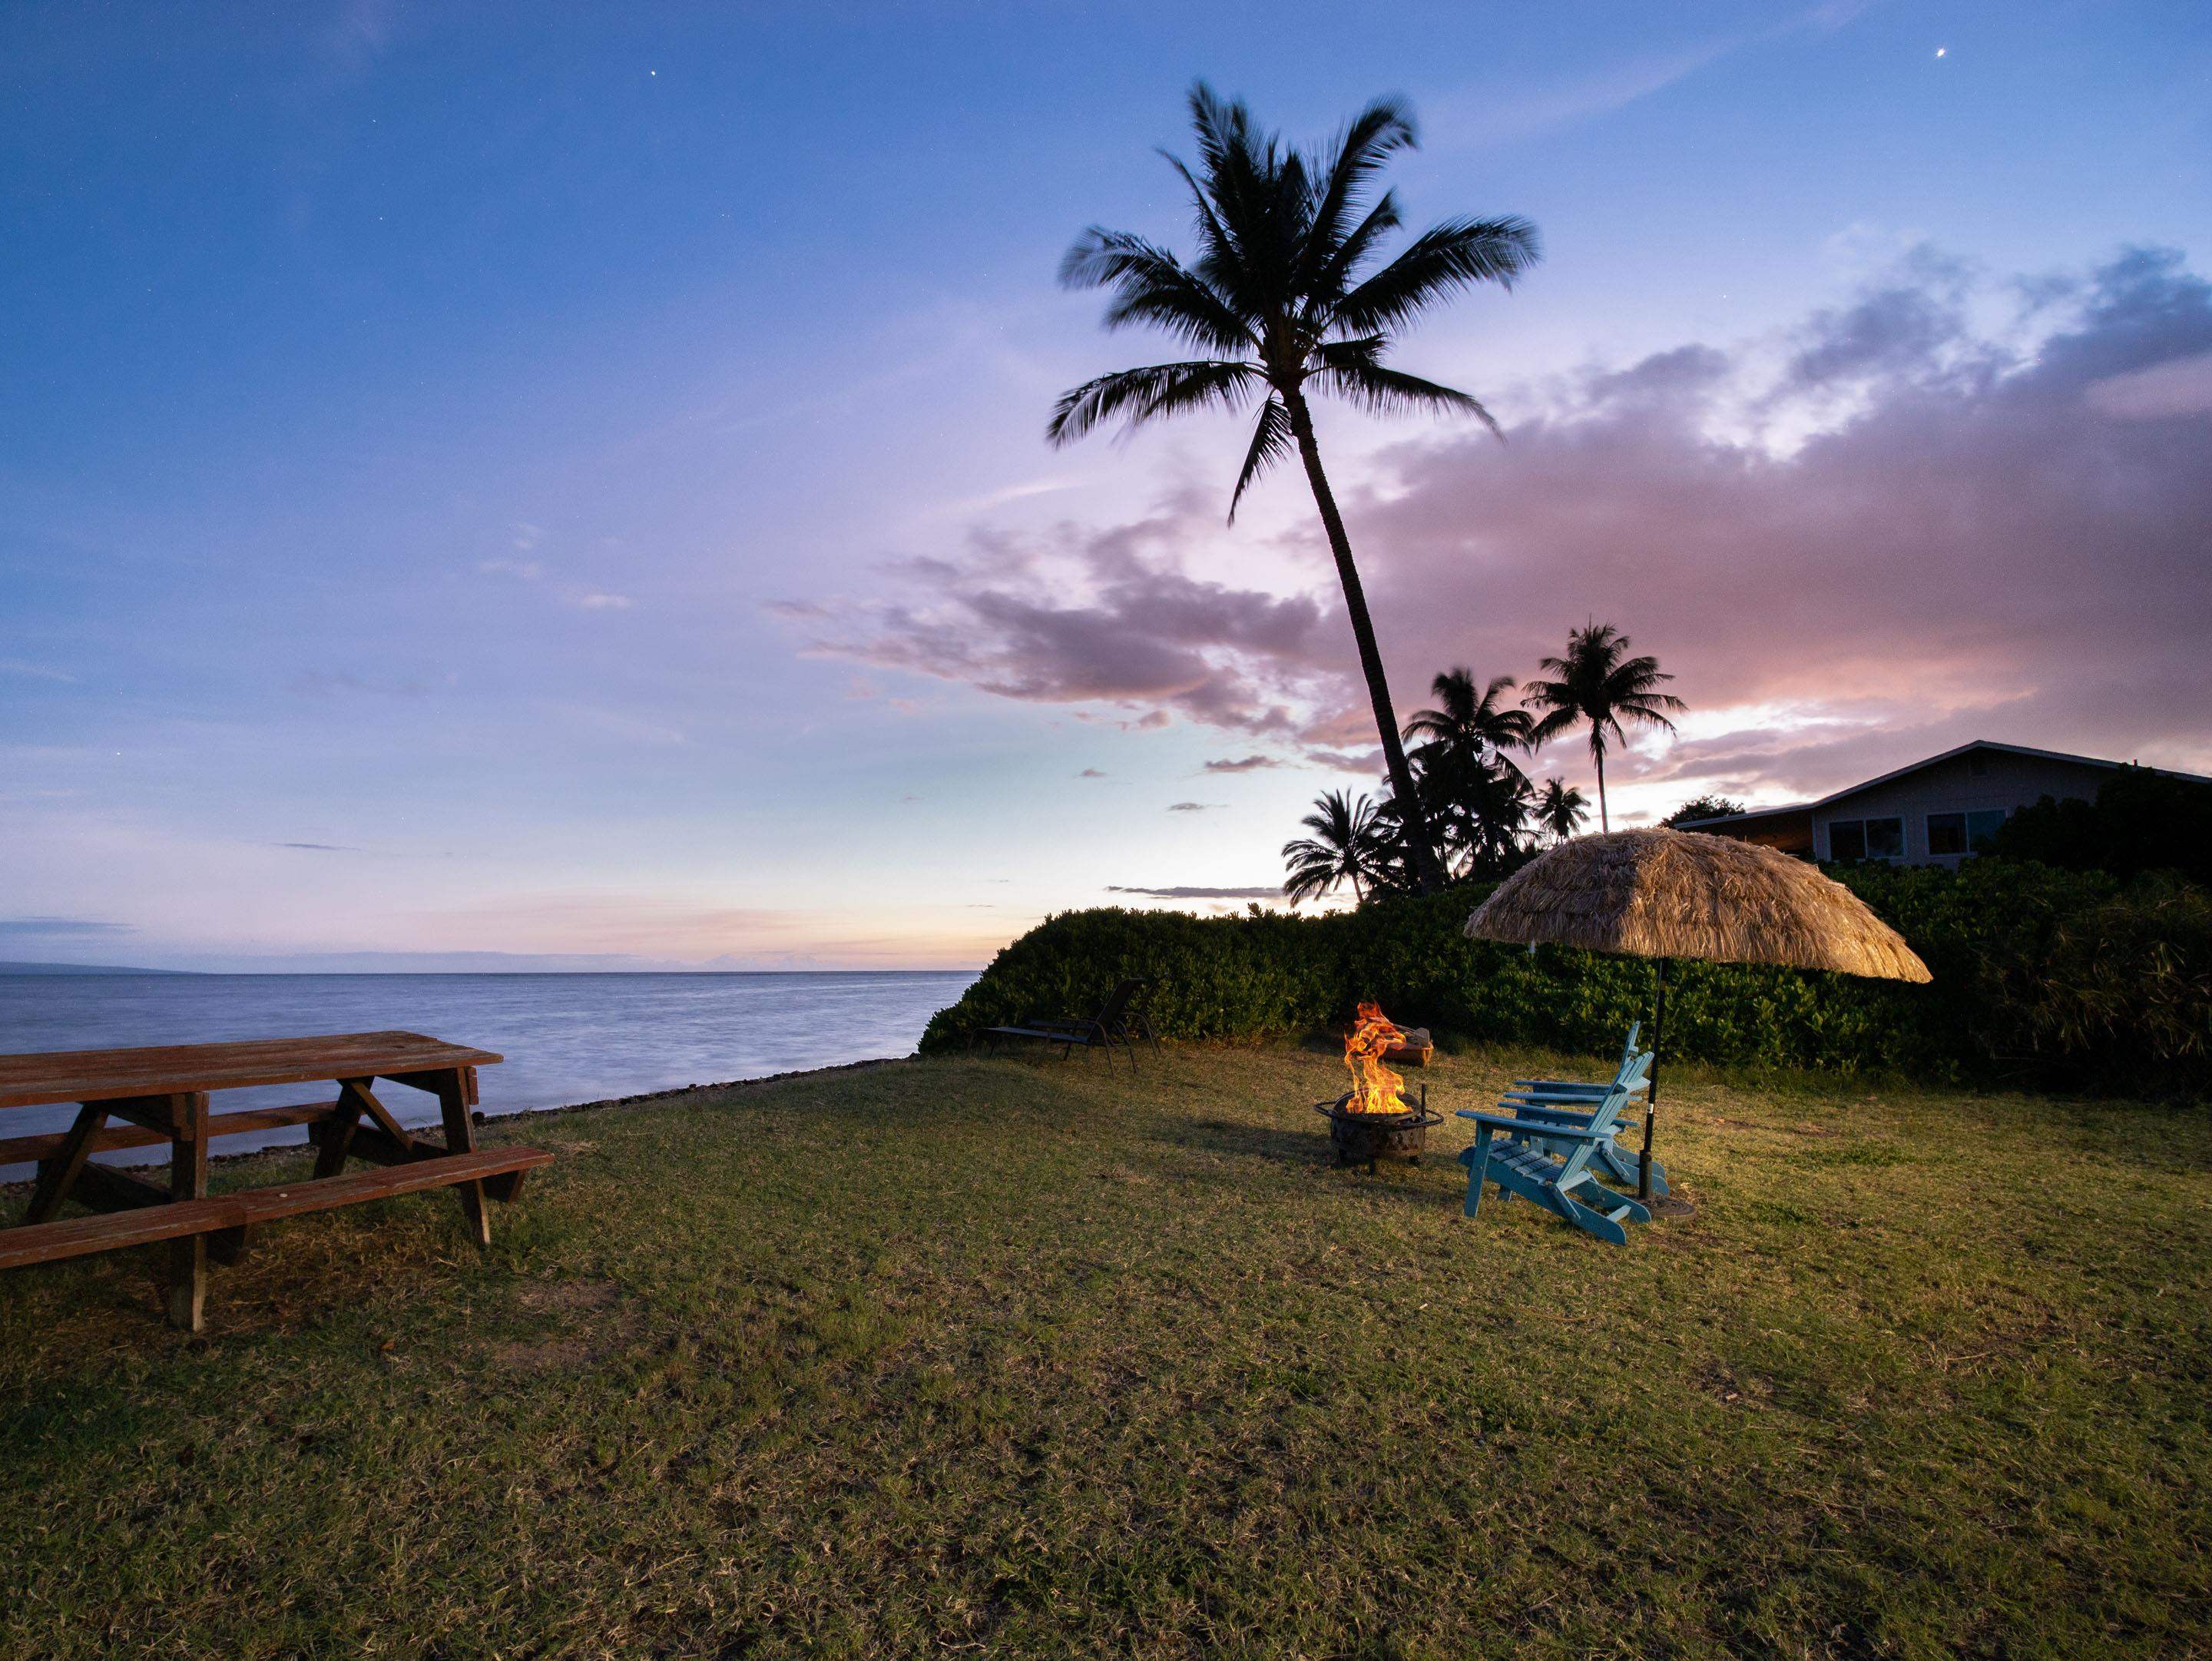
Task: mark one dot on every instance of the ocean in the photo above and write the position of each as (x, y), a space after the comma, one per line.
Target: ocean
(567, 1037)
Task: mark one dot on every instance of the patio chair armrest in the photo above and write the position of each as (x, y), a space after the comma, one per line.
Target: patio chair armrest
(1547, 1112)
(1501, 1122)
(1563, 1087)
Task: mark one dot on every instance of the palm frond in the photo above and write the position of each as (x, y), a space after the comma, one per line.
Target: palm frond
(1141, 395)
(1358, 153)
(1150, 286)
(1443, 259)
(1388, 391)
(1326, 286)
(1271, 441)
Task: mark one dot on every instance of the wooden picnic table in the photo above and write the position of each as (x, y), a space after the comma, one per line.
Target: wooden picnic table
(161, 1095)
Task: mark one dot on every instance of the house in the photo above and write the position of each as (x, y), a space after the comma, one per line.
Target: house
(1936, 812)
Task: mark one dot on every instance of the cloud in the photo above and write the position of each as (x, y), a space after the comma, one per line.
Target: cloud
(1494, 113)
(523, 570)
(1980, 543)
(60, 928)
(1275, 893)
(1913, 518)
(1248, 764)
(317, 847)
(35, 671)
(2179, 386)
(593, 599)
(1110, 617)
(1091, 773)
(1194, 806)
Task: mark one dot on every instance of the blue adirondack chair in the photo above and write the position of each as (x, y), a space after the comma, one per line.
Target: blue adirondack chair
(1563, 1183)
(1568, 1102)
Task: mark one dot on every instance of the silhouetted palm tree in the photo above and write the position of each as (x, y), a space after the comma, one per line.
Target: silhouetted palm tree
(1282, 303)
(1561, 809)
(1469, 724)
(1480, 808)
(1347, 846)
(1597, 682)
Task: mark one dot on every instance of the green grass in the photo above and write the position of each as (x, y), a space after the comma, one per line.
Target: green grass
(1003, 1357)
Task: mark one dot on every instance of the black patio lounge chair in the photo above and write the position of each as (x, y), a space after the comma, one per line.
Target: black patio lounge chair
(1122, 1021)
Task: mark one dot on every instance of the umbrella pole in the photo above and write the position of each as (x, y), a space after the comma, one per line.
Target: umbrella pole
(1651, 1089)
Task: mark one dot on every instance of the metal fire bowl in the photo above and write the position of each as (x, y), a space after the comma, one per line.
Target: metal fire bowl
(1363, 1138)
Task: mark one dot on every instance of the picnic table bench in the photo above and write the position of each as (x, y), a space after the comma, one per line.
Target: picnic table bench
(161, 1095)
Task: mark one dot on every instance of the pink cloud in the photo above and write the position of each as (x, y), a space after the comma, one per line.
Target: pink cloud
(1977, 539)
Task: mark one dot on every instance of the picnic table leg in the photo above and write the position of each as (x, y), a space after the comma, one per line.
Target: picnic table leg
(57, 1174)
(453, 1095)
(188, 1166)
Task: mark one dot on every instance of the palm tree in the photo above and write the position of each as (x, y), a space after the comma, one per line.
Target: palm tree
(1561, 809)
(1597, 682)
(1480, 807)
(1347, 846)
(1471, 726)
(1282, 303)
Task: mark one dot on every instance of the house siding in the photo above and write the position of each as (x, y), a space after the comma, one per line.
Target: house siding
(1978, 781)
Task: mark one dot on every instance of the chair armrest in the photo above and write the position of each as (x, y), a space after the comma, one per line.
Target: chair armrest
(1562, 1087)
(1500, 1121)
(1546, 1113)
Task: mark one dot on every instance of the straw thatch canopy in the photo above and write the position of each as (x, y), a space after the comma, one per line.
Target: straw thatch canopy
(1680, 894)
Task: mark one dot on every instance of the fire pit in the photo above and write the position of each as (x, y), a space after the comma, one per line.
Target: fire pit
(1374, 1118)
(1362, 1137)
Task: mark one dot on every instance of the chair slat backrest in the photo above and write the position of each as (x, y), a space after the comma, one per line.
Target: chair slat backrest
(1628, 1050)
(1607, 1114)
(1117, 1005)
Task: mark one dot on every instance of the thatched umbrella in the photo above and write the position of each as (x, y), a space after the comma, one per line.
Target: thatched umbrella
(1680, 894)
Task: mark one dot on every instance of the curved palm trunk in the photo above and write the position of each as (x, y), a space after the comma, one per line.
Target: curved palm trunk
(1597, 750)
(1420, 849)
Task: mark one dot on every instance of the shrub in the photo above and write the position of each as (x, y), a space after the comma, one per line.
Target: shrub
(2041, 976)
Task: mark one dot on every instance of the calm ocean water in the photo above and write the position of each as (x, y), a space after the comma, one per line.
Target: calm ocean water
(566, 1037)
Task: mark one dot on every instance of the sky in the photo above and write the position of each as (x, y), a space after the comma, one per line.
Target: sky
(566, 485)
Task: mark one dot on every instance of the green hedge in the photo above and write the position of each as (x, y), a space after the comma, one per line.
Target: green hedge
(2041, 976)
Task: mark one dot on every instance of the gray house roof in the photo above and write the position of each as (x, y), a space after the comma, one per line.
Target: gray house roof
(1931, 761)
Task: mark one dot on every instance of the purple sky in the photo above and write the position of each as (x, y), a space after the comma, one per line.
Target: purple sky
(576, 485)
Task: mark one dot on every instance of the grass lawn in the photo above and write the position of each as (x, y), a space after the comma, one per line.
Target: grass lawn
(1022, 1358)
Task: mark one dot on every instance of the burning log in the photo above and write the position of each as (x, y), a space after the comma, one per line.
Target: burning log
(1374, 1118)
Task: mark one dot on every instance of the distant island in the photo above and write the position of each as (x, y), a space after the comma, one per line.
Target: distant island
(10, 967)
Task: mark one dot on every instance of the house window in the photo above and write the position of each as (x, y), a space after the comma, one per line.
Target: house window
(1866, 839)
(1962, 833)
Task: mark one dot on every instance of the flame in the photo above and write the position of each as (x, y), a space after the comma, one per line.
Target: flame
(1374, 1086)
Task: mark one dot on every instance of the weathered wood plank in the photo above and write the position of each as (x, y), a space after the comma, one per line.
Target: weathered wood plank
(16, 1150)
(461, 1136)
(59, 1174)
(31, 1079)
(79, 1237)
(188, 1182)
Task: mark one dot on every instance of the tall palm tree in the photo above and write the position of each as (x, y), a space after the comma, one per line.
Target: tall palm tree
(1599, 683)
(1283, 303)
(1347, 846)
(1474, 725)
(1561, 809)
